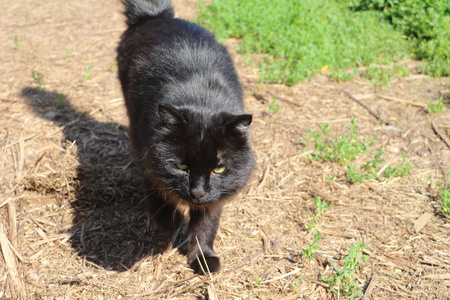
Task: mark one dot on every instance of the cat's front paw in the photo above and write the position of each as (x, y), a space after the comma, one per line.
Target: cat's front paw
(213, 263)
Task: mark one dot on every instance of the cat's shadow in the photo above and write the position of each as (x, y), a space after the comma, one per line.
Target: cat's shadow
(110, 227)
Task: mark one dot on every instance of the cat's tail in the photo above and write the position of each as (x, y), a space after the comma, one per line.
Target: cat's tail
(139, 10)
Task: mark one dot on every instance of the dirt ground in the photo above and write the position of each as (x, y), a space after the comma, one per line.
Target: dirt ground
(72, 223)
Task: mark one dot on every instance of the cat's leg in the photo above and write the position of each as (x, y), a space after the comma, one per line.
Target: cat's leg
(203, 225)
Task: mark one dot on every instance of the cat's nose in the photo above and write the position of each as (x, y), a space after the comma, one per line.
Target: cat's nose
(198, 192)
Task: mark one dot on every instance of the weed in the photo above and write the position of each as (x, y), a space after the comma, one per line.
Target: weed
(66, 53)
(87, 74)
(257, 280)
(321, 208)
(310, 251)
(436, 107)
(296, 285)
(371, 169)
(113, 65)
(38, 79)
(344, 280)
(357, 177)
(329, 178)
(274, 107)
(379, 76)
(399, 171)
(61, 99)
(343, 149)
(17, 42)
(342, 75)
(444, 195)
(382, 75)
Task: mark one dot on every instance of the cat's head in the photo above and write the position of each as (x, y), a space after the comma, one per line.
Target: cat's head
(199, 157)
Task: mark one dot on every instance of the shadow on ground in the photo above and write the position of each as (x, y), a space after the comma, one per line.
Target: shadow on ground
(111, 227)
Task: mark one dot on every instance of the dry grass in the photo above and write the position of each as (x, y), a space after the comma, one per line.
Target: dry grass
(72, 224)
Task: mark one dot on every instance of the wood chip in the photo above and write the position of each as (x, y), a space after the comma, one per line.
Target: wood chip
(422, 220)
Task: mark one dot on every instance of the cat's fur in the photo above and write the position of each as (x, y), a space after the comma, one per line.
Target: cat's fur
(184, 102)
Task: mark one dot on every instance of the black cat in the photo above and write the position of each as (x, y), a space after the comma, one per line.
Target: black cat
(187, 122)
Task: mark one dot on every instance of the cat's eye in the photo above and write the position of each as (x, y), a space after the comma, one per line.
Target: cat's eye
(219, 169)
(182, 166)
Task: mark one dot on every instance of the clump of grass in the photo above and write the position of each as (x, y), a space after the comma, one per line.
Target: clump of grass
(310, 251)
(436, 106)
(371, 170)
(382, 75)
(301, 37)
(344, 149)
(345, 281)
(87, 74)
(347, 148)
(274, 107)
(38, 79)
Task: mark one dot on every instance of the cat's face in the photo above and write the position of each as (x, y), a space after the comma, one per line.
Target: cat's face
(201, 160)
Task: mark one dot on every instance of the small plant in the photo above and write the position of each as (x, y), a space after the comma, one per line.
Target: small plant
(310, 251)
(87, 74)
(296, 285)
(17, 42)
(329, 178)
(444, 195)
(66, 53)
(61, 99)
(113, 65)
(321, 208)
(344, 149)
(370, 169)
(344, 280)
(379, 76)
(274, 107)
(38, 79)
(436, 107)
(399, 171)
(257, 280)
(343, 75)
(357, 177)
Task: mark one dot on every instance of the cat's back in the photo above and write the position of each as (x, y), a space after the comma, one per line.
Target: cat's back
(173, 47)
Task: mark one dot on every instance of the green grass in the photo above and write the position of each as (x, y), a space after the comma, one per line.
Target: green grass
(274, 107)
(436, 106)
(17, 42)
(345, 281)
(302, 37)
(444, 195)
(425, 23)
(310, 250)
(87, 73)
(38, 79)
(347, 148)
(66, 53)
(321, 208)
(343, 149)
(60, 101)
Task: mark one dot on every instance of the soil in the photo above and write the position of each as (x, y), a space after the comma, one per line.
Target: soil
(72, 221)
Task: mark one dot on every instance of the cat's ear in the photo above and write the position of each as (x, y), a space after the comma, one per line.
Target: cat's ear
(170, 116)
(238, 125)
